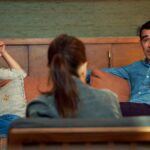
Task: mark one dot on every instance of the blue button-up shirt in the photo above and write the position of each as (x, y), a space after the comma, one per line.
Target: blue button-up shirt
(138, 75)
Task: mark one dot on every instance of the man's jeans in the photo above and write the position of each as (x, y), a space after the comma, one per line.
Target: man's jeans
(5, 121)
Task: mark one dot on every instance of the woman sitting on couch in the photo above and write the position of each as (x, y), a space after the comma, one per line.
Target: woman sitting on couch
(70, 95)
(12, 97)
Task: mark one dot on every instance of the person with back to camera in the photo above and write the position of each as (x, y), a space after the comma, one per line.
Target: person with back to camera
(12, 97)
(70, 96)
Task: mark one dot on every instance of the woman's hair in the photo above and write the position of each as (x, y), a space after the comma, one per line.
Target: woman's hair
(65, 55)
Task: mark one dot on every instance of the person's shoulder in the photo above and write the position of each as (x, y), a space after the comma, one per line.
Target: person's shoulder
(5, 69)
(98, 92)
(105, 93)
(19, 72)
(38, 101)
(139, 62)
(134, 64)
(89, 91)
(44, 98)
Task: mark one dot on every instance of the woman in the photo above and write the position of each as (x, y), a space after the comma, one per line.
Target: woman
(12, 97)
(70, 96)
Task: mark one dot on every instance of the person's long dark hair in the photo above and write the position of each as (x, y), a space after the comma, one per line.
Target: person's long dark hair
(65, 55)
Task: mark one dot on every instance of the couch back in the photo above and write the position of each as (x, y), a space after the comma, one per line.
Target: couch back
(35, 85)
(70, 134)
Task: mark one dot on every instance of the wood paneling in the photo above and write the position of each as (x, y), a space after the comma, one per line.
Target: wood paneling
(124, 54)
(38, 60)
(101, 52)
(97, 55)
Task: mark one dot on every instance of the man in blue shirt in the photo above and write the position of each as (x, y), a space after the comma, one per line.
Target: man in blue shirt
(138, 73)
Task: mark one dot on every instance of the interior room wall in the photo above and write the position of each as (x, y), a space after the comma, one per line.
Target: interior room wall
(84, 18)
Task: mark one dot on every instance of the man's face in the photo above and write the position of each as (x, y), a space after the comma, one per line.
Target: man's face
(145, 42)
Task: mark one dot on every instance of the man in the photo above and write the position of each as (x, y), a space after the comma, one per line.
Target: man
(138, 74)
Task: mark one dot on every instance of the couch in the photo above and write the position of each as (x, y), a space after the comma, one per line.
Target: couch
(44, 133)
(99, 80)
(101, 52)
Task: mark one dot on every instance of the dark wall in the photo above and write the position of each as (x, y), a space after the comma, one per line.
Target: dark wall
(84, 18)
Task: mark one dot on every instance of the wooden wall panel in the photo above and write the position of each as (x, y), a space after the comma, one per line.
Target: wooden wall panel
(19, 53)
(97, 55)
(32, 53)
(124, 54)
(38, 60)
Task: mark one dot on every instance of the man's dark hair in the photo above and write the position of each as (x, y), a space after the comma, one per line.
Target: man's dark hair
(144, 26)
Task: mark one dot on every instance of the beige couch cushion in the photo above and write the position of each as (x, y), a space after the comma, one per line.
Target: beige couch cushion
(103, 80)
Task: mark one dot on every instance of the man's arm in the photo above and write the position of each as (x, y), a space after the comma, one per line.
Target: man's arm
(120, 72)
(8, 58)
